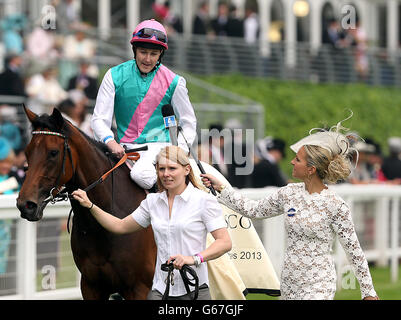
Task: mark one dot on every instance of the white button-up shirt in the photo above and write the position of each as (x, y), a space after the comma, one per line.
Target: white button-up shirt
(194, 214)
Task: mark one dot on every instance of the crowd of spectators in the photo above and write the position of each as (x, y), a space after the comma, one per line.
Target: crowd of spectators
(243, 164)
(45, 66)
(227, 22)
(340, 39)
(47, 63)
(373, 166)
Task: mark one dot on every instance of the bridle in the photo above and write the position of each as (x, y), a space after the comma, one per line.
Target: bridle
(59, 196)
(62, 193)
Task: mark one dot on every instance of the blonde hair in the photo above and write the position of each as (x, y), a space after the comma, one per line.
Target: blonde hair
(177, 155)
(329, 168)
(331, 151)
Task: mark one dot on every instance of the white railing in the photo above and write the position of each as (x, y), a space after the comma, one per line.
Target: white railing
(379, 203)
(27, 279)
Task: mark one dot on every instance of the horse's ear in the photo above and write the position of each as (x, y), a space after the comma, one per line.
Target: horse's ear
(30, 114)
(58, 118)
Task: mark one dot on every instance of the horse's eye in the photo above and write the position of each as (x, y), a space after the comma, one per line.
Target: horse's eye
(53, 153)
(25, 168)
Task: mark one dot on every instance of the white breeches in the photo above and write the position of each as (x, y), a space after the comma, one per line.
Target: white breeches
(144, 171)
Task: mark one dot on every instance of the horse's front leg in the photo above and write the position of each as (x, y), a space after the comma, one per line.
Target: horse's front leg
(91, 292)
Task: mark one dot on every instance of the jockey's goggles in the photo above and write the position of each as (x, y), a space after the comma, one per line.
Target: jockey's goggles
(148, 33)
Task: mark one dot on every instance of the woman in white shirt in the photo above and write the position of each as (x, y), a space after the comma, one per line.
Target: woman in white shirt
(181, 215)
(314, 216)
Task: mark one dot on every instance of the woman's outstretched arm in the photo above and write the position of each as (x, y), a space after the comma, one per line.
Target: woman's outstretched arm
(108, 221)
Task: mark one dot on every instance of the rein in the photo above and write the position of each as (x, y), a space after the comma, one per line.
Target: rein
(194, 282)
(62, 194)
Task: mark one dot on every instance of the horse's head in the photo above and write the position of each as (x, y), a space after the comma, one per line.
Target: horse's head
(50, 163)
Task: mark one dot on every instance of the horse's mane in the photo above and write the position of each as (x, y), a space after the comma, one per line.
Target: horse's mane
(47, 121)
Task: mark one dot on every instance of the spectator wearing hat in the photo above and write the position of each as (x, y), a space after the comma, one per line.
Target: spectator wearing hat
(392, 164)
(369, 168)
(268, 154)
(362, 173)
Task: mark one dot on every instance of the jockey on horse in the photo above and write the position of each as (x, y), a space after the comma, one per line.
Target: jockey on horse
(135, 92)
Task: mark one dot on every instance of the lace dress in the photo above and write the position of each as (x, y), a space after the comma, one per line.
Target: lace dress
(312, 221)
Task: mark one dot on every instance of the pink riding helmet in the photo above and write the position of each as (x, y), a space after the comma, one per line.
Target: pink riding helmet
(153, 37)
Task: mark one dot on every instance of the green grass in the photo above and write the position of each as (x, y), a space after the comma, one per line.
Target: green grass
(385, 289)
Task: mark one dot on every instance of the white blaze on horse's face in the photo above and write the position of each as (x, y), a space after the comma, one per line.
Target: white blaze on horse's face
(172, 174)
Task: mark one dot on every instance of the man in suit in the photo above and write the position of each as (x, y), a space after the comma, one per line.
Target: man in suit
(11, 82)
(391, 166)
(201, 24)
(84, 82)
(268, 153)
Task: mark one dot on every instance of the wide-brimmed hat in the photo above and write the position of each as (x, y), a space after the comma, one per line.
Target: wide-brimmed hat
(394, 144)
(334, 142)
(263, 146)
(276, 144)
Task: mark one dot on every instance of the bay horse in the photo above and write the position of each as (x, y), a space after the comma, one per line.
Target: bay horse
(59, 154)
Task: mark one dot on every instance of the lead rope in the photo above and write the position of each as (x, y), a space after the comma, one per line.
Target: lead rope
(194, 282)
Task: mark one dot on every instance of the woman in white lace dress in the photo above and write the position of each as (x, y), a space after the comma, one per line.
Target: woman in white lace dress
(314, 216)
